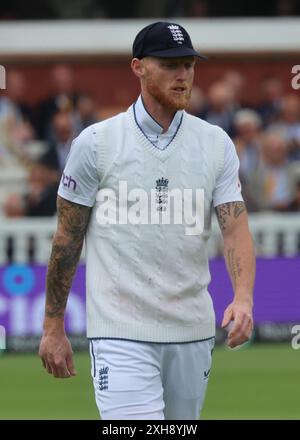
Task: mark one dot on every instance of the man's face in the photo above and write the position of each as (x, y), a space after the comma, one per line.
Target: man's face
(169, 80)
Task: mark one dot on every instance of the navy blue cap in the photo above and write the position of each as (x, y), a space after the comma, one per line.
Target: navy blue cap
(163, 39)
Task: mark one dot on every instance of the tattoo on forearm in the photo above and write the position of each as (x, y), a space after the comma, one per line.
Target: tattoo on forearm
(226, 210)
(234, 265)
(65, 254)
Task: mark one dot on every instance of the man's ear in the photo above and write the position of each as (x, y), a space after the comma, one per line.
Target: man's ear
(137, 67)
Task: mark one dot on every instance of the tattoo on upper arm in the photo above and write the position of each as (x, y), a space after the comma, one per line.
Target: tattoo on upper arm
(67, 245)
(74, 217)
(234, 265)
(227, 210)
(238, 208)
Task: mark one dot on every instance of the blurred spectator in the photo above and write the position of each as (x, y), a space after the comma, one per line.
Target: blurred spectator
(220, 109)
(197, 102)
(40, 198)
(16, 130)
(85, 113)
(236, 82)
(272, 93)
(247, 125)
(270, 185)
(290, 124)
(13, 103)
(62, 99)
(63, 134)
(295, 203)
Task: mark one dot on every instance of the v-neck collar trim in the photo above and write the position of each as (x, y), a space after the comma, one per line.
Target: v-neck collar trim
(145, 141)
(149, 125)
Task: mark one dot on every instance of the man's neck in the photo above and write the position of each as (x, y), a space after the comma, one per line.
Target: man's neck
(158, 112)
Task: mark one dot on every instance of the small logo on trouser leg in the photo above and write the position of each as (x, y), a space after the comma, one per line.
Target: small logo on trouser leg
(103, 378)
(206, 374)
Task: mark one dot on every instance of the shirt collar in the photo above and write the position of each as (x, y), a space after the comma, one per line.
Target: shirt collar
(151, 127)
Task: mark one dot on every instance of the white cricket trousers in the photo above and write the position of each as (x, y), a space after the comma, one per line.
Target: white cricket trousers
(150, 381)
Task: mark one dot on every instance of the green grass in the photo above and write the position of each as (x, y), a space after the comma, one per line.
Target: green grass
(27, 391)
(257, 382)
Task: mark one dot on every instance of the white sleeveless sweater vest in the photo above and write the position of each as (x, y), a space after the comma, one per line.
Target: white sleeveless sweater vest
(148, 282)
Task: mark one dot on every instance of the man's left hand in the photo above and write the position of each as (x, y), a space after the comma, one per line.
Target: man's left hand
(241, 316)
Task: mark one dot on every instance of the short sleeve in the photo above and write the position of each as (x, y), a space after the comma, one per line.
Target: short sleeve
(80, 178)
(228, 186)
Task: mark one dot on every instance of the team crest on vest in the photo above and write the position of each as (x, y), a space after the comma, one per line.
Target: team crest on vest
(161, 196)
(178, 206)
(176, 33)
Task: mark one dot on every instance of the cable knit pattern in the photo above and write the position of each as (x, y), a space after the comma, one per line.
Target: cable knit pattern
(149, 282)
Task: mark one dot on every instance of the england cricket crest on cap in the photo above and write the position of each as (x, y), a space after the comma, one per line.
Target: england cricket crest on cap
(176, 33)
(161, 196)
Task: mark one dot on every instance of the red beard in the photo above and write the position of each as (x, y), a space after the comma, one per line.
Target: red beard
(169, 101)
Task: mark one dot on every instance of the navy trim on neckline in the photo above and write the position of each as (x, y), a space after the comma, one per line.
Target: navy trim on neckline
(146, 110)
(160, 149)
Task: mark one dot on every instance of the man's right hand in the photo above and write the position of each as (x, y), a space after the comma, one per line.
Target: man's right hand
(57, 355)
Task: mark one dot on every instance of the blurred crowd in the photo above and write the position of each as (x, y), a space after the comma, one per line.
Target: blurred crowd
(35, 142)
(114, 9)
(266, 137)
